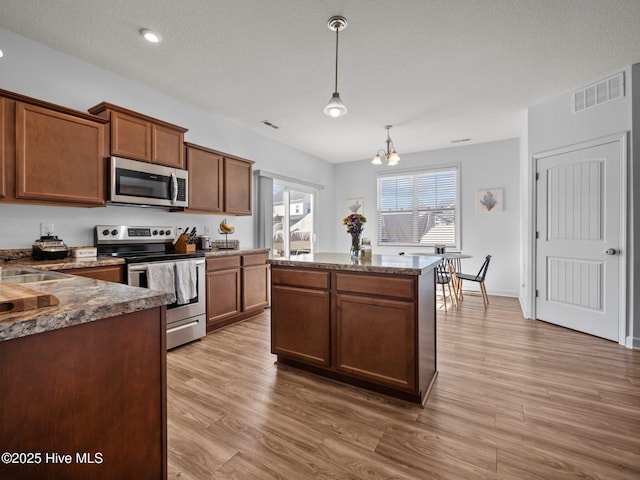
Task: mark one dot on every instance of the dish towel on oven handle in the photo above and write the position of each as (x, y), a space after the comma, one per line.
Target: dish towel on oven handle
(161, 276)
(186, 282)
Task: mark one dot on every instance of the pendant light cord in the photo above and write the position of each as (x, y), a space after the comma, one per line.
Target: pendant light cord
(336, 82)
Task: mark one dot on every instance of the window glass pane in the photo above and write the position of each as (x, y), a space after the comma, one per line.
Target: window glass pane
(418, 209)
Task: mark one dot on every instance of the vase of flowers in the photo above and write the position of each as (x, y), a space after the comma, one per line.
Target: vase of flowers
(355, 224)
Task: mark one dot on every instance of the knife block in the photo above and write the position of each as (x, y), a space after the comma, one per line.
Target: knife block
(182, 246)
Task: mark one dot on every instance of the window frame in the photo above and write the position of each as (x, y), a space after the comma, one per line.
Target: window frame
(415, 173)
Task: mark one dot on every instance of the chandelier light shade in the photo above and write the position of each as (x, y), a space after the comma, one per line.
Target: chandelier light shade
(335, 108)
(390, 155)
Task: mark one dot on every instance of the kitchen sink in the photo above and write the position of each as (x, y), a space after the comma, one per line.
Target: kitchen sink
(30, 275)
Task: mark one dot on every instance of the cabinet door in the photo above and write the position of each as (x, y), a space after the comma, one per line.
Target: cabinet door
(300, 324)
(205, 180)
(237, 186)
(59, 157)
(223, 295)
(375, 340)
(168, 146)
(130, 137)
(255, 287)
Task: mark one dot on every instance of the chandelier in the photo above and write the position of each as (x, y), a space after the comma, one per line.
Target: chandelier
(335, 107)
(391, 155)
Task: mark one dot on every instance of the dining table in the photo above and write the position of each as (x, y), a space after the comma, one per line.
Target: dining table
(452, 260)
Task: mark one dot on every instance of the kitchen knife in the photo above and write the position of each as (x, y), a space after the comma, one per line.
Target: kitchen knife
(192, 236)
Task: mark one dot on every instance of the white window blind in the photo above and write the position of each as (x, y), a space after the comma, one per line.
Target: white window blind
(419, 208)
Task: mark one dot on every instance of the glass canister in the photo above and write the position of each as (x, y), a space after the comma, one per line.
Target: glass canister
(365, 248)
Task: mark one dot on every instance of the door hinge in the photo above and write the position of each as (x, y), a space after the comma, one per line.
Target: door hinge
(537, 294)
(537, 176)
(537, 235)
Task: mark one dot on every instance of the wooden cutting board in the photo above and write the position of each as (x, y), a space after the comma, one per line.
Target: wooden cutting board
(16, 298)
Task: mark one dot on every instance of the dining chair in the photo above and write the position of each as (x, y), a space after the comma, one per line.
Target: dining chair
(444, 278)
(479, 277)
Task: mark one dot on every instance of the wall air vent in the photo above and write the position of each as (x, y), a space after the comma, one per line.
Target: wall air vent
(269, 124)
(598, 93)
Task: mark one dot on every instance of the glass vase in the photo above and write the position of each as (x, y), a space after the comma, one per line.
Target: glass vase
(355, 250)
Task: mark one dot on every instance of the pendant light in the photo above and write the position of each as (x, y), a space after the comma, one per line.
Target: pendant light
(335, 107)
(390, 155)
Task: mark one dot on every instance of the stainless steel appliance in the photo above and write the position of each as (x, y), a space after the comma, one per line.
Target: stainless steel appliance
(141, 246)
(204, 242)
(147, 184)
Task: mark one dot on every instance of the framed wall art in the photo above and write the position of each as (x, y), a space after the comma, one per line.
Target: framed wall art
(490, 200)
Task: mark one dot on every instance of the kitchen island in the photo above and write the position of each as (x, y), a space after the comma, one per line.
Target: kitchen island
(367, 322)
(83, 383)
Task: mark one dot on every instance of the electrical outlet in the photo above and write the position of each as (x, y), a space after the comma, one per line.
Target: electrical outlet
(46, 229)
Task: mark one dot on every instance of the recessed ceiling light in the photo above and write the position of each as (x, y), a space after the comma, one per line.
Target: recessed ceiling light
(150, 36)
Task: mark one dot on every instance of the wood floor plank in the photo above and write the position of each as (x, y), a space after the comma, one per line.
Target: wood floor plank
(514, 399)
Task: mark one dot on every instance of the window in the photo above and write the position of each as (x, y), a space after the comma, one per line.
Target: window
(419, 208)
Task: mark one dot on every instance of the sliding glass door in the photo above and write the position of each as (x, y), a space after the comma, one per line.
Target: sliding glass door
(292, 221)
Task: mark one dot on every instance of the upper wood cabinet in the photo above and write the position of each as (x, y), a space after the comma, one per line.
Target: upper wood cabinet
(139, 137)
(59, 155)
(218, 182)
(3, 166)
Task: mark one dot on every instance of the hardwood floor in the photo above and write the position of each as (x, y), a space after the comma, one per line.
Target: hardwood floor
(514, 399)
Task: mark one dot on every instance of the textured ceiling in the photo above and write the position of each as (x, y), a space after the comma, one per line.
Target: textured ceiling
(437, 70)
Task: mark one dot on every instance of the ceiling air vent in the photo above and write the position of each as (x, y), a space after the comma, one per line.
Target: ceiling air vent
(598, 93)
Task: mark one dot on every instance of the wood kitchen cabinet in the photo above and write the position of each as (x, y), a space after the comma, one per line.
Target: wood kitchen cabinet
(218, 182)
(140, 137)
(375, 330)
(3, 166)
(108, 273)
(223, 290)
(301, 302)
(50, 154)
(237, 288)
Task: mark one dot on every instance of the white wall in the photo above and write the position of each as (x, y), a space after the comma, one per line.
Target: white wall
(486, 165)
(37, 71)
(552, 125)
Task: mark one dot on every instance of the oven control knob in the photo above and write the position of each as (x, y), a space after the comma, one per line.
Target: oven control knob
(155, 232)
(114, 232)
(105, 232)
(161, 232)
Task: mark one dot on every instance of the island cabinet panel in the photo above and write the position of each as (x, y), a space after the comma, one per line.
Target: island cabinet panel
(374, 340)
(375, 322)
(59, 157)
(302, 330)
(95, 391)
(400, 287)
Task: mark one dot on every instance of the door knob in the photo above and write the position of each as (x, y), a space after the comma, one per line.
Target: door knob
(610, 251)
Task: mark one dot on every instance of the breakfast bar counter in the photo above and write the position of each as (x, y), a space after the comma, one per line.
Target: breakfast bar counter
(369, 322)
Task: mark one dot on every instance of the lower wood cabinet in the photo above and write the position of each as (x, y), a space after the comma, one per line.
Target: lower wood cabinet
(237, 288)
(108, 273)
(371, 330)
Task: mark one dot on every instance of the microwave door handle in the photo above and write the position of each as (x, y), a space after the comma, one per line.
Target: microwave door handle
(174, 188)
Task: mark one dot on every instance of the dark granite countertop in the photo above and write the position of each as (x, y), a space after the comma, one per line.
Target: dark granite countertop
(395, 264)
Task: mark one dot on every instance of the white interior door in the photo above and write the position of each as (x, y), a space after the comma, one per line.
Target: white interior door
(579, 205)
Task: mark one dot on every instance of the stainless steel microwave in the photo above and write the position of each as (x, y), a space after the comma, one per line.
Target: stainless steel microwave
(147, 184)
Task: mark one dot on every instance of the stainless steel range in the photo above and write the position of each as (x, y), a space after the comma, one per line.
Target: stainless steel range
(152, 263)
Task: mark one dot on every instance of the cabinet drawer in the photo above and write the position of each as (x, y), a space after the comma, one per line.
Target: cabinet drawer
(223, 263)
(386, 285)
(300, 278)
(254, 259)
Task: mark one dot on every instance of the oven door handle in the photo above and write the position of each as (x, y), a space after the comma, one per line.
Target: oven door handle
(137, 268)
(174, 188)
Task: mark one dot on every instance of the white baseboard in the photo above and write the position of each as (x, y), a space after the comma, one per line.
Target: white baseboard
(632, 342)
